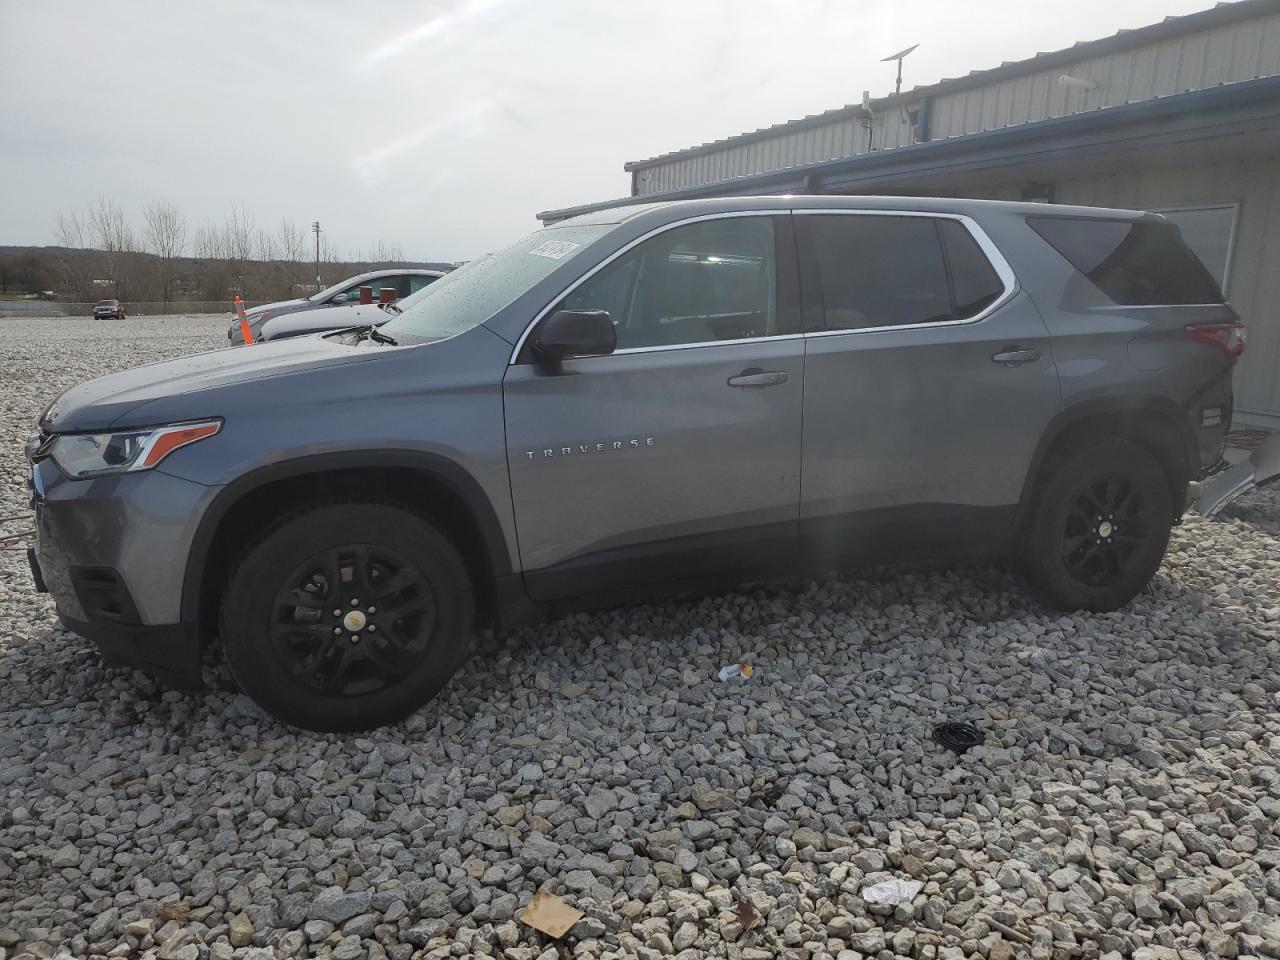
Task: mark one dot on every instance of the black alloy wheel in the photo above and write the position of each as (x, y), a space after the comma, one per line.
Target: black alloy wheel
(347, 615)
(1099, 525)
(1106, 523)
(353, 619)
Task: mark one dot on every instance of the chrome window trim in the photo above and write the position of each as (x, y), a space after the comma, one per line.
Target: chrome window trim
(997, 260)
(705, 343)
(625, 249)
(988, 247)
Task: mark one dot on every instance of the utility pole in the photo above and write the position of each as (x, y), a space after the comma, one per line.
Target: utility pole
(315, 228)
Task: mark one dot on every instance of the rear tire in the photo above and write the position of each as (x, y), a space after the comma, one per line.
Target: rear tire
(347, 616)
(1099, 527)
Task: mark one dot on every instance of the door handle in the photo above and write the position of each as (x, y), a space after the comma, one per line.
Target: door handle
(755, 377)
(1012, 357)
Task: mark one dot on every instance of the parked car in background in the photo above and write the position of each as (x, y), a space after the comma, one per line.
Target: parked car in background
(108, 310)
(337, 318)
(628, 403)
(404, 280)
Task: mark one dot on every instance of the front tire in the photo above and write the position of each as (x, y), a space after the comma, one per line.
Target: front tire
(347, 616)
(1099, 527)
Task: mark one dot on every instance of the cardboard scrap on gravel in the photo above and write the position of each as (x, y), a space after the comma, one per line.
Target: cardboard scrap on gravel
(550, 914)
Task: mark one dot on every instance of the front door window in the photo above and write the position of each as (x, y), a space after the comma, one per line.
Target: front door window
(705, 282)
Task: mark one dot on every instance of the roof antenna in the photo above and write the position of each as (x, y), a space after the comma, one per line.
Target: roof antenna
(899, 56)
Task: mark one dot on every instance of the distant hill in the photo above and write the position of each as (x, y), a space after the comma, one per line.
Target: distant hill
(79, 274)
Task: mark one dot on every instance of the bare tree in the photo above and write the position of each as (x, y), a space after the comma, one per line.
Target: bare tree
(70, 231)
(208, 243)
(74, 268)
(110, 231)
(264, 245)
(291, 241)
(166, 236)
(239, 233)
(384, 252)
(329, 254)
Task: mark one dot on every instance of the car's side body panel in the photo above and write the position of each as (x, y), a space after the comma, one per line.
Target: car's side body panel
(615, 456)
(616, 474)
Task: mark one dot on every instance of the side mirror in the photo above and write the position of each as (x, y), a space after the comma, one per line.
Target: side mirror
(575, 333)
(341, 298)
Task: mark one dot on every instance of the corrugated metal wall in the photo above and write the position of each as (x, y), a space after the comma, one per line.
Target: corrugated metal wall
(1232, 52)
(846, 137)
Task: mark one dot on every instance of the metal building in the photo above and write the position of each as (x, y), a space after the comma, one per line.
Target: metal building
(1181, 117)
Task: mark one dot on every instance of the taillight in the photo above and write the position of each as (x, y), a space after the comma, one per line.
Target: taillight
(1228, 337)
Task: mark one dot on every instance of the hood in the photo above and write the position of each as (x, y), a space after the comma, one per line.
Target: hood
(109, 401)
(278, 305)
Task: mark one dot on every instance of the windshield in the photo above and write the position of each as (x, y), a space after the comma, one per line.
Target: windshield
(475, 292)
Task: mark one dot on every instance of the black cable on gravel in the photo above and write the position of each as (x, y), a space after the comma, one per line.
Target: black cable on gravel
(958, 736)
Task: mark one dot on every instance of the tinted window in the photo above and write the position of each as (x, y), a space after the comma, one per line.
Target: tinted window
(353, 291)
(707, 281)
(417, 282)
(879, 271)
(1132, 263)
(974, 282)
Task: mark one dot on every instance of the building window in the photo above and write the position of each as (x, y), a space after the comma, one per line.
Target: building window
(1209, 231)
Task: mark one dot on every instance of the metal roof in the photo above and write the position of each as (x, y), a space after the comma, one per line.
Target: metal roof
(1222, 13)
(1212, 112)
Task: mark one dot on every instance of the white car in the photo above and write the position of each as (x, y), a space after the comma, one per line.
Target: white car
(336, 318)
(405, 280)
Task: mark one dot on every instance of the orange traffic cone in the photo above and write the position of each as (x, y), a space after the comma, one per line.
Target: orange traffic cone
(245, 330)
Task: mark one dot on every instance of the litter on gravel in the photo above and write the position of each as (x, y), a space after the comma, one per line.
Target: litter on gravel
(1125, 802)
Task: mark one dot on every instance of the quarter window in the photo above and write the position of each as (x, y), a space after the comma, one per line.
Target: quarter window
(703, 282)
(1131, 262)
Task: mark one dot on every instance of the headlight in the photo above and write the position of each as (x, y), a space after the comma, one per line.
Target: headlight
(84, 455)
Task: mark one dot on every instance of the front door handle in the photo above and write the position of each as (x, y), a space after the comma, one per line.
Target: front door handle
(1012, 357)
(755, 377)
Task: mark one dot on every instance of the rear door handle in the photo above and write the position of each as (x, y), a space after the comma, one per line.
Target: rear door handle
(1015, 358)
(755, 377)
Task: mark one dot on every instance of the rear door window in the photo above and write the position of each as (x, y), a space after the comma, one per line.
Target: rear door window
(879, 271)
(975, 285)
(890, 271)
(1131, 262)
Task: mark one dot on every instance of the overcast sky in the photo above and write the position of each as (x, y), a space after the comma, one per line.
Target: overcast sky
(445, 125)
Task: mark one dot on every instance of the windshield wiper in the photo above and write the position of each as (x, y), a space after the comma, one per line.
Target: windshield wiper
(373, 333)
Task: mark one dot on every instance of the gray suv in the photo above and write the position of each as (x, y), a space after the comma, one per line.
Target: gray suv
(660, 397)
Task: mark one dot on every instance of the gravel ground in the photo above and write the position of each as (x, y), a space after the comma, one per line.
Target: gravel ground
(1125, 802)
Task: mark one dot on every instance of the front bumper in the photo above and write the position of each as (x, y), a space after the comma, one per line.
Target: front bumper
(113, 552)
(170, 654)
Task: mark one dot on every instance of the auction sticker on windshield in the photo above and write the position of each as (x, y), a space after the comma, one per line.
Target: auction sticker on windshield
(555, 249)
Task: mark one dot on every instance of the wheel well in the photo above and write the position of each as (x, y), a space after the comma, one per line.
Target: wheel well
(1152, 431)
(417, 490)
